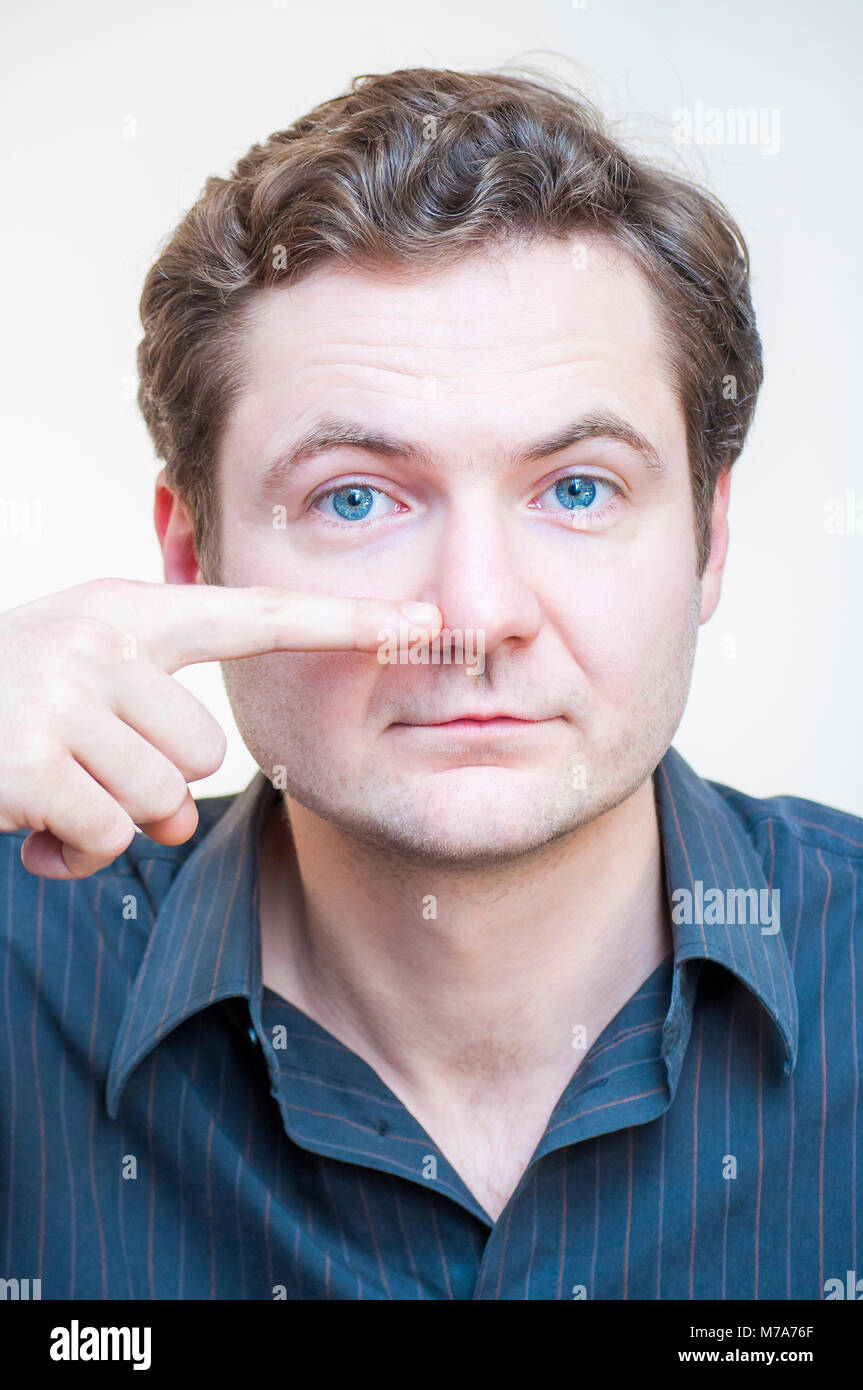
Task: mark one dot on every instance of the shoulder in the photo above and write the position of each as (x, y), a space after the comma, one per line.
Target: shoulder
(811, 855)
(811, 824)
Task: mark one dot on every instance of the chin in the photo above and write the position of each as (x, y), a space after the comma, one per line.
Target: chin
(472, 816)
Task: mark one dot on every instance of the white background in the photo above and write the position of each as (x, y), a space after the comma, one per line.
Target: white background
(776, 695)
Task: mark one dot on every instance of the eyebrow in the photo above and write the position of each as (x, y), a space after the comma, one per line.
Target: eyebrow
(331, 434)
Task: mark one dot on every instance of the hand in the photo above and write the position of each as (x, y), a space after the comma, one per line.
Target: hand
(96, 737)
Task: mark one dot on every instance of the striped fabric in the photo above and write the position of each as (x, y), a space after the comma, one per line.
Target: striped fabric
(173, 1130)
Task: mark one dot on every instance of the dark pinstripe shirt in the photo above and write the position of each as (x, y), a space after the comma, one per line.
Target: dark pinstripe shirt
(171, 1129)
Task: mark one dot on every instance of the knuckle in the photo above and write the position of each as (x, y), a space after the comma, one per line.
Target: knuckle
(102, 588)
(277, 610)
(272, 596)
(207, 754)
(33, 749)
(111, 839)
(57, 695)
(365, 610)
(167, 796)
(78, 637)
(277, 603)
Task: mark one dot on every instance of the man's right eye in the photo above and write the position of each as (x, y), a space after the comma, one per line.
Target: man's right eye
(352, 503)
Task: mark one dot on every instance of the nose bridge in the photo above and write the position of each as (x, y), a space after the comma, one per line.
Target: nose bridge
(477, 574)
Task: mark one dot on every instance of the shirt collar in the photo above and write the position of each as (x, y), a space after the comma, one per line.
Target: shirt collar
(710, 867)
(204, 944)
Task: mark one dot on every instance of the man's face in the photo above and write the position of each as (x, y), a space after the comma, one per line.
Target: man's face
(576, 570)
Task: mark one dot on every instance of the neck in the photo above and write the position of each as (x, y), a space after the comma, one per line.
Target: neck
(447, 979)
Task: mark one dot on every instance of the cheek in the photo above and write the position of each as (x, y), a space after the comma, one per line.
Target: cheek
(629, 622)
(302, 697)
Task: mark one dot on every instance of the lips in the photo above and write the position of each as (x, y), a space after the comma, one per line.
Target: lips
(490, 729)
(479, 718)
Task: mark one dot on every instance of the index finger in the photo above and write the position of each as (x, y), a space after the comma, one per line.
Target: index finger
(209, 622)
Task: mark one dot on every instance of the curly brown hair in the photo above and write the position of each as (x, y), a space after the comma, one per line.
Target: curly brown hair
(418, 168)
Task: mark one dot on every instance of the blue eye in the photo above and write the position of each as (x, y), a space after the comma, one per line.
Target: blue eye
(575, 491)
(578, 492)
(589, 500)
(351, 501)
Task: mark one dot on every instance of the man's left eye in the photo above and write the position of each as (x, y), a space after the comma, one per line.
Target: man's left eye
(579, 492)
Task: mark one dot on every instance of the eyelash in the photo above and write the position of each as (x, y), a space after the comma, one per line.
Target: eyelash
(590, 514)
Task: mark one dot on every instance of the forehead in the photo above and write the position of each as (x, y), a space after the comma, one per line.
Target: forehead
(549, 325)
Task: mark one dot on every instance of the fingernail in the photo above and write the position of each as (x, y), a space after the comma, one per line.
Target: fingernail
(420, 612)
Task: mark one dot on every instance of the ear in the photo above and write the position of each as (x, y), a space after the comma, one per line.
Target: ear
(711, 581)
(176, 536)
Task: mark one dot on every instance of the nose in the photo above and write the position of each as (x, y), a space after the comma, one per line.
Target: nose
(479, 575)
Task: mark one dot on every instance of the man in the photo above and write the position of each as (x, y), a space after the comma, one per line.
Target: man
(477, 990)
